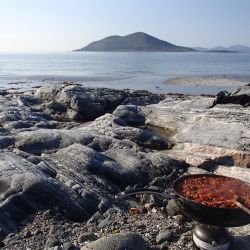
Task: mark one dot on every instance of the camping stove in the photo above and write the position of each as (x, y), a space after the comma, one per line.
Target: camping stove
(208, 237)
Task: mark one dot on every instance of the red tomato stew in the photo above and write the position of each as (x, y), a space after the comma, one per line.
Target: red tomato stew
(215, 191)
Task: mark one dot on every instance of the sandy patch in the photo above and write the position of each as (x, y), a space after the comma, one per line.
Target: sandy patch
(208, 81)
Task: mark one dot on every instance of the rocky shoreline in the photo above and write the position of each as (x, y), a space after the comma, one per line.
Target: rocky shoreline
(66, 150)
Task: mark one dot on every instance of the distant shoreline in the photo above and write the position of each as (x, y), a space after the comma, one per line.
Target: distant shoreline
(187, 85)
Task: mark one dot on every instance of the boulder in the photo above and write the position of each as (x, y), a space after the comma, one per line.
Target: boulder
(118, 242)
(203, 137)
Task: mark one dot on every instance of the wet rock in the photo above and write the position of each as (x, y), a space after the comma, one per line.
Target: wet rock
(118, 241)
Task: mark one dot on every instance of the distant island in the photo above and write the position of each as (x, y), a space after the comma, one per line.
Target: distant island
(231, 49)
(138, 41)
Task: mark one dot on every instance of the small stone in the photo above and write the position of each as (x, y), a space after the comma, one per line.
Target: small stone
(87, 237)
(163, 236)
(164, 246)
(53, 230)
(118, 241)
(172, 208)
(154, 210)
(52, 242)
(157, 201)
(68, 246)
(55, 248)
(96, 217)
(162, 209)
(104, 205)
(38, 232)
(14, 239)
(69, 183)
(109, 212)
(179, 218)
(104, 223)
(28, 234)
(149, 206)
(76, 187)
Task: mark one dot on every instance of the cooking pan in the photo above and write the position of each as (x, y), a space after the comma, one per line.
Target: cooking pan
(220, 217)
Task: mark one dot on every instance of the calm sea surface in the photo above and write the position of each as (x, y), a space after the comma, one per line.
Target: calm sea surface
(132, 70)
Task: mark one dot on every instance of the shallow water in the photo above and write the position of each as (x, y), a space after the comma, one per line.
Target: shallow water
(134, 70)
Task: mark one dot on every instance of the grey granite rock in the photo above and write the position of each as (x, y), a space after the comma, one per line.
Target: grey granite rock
(203, 137)
(131, 114)
(78, 103)
(118, 242)
(87, 237)
(25, 189)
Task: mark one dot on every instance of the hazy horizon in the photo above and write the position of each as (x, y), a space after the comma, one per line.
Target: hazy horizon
(62, 25)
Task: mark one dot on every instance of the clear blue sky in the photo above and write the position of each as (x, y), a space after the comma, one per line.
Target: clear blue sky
(62, 25)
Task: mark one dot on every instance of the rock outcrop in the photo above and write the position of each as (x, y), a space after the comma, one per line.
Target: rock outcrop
(71, 149)
(49, 159)
(203, 137)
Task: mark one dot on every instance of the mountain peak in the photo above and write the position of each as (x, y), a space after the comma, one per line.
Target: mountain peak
(138, 41)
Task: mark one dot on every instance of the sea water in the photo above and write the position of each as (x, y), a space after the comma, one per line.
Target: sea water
(134, 70)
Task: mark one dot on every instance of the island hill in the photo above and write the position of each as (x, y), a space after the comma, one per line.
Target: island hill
(138, 41)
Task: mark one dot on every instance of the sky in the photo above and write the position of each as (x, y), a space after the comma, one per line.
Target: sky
(64, 25)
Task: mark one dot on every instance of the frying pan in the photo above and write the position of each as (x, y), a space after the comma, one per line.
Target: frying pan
(220, 217)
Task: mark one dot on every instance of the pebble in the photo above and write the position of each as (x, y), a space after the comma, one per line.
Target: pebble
(52, 242)
(69, 246)
(104, 205)
(76, 187)
(53, 230)
(149, 206)
(36, 232)
(154, 210)
(164, 246)
(28, 234)
(104, 223)
(87, 237)
(96, 217)
(172, 208)
(118, 241)
(163, 236)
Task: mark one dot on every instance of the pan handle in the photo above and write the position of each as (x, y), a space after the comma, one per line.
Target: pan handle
(143, 191)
